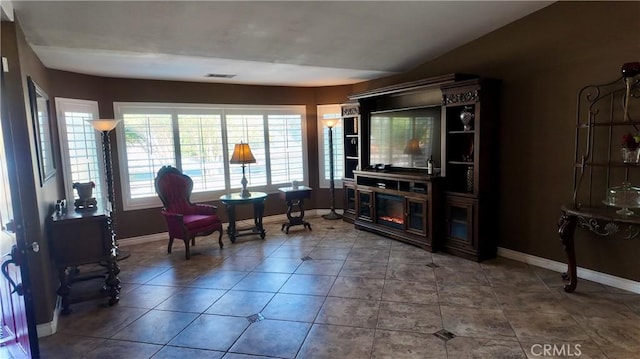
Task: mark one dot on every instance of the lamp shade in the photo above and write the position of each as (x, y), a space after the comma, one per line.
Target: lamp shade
(331, 122)
(104, 124)
(242, 154)
(412, 147)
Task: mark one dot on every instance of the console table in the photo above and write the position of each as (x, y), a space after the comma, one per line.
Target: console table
(295, 197)
(79, 238)
(231, 201)
(603, 221)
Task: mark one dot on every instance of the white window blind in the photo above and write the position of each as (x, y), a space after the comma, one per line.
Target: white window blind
(202, 151)
(149, 146)
(199, 140)
(80, 146)
(248, 129)
(285, 148)
(328, 112)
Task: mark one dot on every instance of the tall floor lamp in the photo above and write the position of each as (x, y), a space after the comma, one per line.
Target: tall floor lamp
(105, 126)
(331, 123)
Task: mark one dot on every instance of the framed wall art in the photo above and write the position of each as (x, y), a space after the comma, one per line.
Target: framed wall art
(39, 103)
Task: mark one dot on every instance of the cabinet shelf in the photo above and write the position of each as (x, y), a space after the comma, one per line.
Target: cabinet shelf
(469, 222)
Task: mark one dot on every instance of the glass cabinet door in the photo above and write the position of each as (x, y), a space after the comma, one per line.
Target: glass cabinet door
(417, 215)
(365, 205)
(460, 221)
(350, 199)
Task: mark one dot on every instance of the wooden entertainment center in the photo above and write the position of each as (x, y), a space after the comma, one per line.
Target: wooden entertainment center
(455, 208)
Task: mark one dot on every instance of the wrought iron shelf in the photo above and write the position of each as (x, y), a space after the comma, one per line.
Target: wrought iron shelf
(607, 164)
(609, 124)
(600, 108)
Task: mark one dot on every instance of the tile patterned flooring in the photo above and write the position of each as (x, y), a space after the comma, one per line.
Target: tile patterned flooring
(356, 295)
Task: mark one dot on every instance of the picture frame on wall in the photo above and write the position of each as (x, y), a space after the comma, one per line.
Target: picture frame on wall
(40, 113)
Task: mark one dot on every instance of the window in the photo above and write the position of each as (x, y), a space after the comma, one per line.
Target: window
(80, 146)
(326, 112)
(199, 140)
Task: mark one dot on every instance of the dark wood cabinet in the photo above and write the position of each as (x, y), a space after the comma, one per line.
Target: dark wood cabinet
(417, 215)
(364, 205)
(459, 226)
(351, 126)
(78, 238)
(349, 205)
(400, 204)
(470, 116)
(455, 209)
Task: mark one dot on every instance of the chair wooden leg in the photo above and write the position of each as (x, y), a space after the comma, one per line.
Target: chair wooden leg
(220, 238)
(186, 249)
(170, 245)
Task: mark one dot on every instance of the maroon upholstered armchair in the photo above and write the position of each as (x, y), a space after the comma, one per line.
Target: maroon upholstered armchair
(185, 220)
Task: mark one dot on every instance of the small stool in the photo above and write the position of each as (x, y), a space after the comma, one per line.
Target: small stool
(295, 197)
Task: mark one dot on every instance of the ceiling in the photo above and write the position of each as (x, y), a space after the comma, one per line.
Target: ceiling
(292, 43)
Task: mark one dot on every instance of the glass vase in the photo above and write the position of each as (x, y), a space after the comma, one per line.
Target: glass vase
(466, 116)
(630, 156)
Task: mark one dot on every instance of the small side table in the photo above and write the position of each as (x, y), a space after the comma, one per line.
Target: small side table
(295, 197)
(78, 238)
(233, 199)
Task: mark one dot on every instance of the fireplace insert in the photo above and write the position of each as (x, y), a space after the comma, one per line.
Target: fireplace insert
(389, 210)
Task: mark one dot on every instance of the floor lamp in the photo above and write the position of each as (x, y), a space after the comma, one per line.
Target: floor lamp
(331, 123)
(104, 127)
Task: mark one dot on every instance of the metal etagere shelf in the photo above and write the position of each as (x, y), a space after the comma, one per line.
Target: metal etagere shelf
(604, 114)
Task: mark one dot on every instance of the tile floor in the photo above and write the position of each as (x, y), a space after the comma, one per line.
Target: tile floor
(337, 292)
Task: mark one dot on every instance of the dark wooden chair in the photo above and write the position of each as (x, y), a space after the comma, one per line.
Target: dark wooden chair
(185, 220)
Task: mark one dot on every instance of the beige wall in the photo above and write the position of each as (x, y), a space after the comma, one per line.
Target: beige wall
(542, 60)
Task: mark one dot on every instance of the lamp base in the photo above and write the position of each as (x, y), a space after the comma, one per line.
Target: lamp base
(245, 193)
(332, 215)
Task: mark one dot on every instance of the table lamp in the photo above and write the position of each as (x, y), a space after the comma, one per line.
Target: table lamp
(242, 155)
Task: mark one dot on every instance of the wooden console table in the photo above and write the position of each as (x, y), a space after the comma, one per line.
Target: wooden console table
(233, 199)
(603, 221)
(295, 197)
(79, 238)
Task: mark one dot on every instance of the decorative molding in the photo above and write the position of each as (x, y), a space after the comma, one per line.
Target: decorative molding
(431, 82)
(461, 97)
(583, 273)
(350, 110)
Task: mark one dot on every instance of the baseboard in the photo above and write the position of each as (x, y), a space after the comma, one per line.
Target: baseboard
(50, 328)
(583, 273)
(277, 218)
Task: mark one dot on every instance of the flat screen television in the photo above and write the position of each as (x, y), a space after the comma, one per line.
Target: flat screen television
(406, 138)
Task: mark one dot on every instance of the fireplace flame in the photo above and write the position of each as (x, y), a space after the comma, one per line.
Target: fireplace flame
(395, 220)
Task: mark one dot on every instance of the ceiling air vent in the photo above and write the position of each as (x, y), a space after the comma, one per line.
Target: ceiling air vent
(221, 76)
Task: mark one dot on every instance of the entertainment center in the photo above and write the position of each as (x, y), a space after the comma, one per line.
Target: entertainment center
(389, 135)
